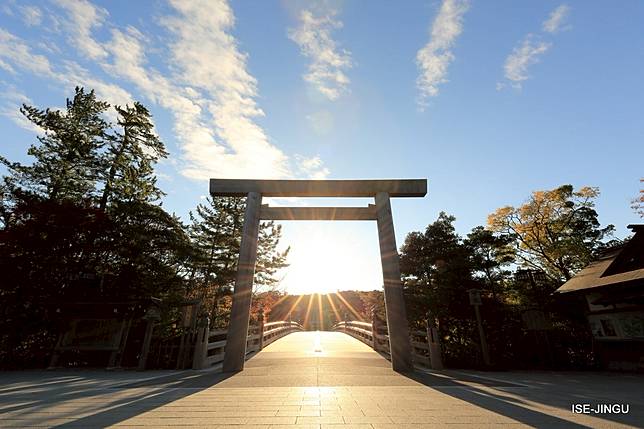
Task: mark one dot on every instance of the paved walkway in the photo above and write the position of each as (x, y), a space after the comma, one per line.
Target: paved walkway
(289, 385)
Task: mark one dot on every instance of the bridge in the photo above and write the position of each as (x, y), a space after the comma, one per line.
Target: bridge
(314, 380)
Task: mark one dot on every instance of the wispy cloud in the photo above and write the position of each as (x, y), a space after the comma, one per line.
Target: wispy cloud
(208, 92)
(522, 57)
(434, 58)
(10, 108)
(312, 168)
(530, 50)
(206, 58)
(31, 15)
(313, 35)
(16, 54)
(556, 19)
(83, 18)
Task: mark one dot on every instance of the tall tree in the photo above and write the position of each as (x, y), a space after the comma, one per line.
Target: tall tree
(490, 256)
(82, 221)
(130, 158)
(438, 271)
(437, 268)
(67, 159)
(556, 231)
(216, 231)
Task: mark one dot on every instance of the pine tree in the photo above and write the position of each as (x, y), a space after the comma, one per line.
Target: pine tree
(67, 159)
(128, 173)
(216, 231)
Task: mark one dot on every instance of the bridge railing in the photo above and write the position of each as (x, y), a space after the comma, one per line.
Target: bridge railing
(210, 347)
(425, 344)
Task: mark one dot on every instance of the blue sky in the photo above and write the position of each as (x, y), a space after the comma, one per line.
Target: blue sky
(487, 100)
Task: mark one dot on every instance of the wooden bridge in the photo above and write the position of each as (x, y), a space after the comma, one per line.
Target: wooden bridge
(322, 380)
(210, 344)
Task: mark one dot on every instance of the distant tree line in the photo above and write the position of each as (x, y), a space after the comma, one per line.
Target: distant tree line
(84, 222)
(517, 261)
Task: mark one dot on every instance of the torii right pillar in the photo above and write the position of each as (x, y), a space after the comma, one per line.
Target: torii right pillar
(399, 345)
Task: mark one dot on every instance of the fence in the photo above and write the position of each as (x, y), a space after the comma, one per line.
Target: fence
(211, 344)
(425, 344)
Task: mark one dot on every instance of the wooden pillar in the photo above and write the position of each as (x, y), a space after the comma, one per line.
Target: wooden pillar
(111, 364)
(399, 345)
(433, 344)
(260, 328)
(145, 348)
(484, 350)
(374, 328)
(201, 345)
(235, 351)
(151, 317)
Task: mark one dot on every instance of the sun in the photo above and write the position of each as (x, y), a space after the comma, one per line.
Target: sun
(330, 256)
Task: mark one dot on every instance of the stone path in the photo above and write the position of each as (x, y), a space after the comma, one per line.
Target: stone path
(290, 385)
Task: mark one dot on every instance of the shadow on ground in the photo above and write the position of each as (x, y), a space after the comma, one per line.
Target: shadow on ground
(513, 403)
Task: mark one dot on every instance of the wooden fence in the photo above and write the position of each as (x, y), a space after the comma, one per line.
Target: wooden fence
(425, 344)
(211, 344)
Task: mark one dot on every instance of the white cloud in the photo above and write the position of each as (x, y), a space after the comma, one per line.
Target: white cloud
(311, 168)
(31, 15)
(322, 122)
(326, 72)
(83, 17)
(206, 58)
(530, 50)
(209, 92)
(434, 58)
(16, 53)
(12, 102)
(556, 19)
(522, 57)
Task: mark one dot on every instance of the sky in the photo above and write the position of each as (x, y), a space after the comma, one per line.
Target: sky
(488, 100)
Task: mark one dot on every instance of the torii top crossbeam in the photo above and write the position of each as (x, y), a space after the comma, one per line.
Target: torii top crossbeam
(318, 188)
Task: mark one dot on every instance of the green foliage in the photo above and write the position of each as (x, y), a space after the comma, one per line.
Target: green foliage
(554, 235)
(131, 154)
(490, 256)
(216, 232)
(83, 222)
(437, 270)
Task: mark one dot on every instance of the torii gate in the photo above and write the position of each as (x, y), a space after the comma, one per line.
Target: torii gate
(380, 190)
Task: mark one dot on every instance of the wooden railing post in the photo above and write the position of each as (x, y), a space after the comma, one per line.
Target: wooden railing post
(374, 328)
(260, 316)
(201, 345)
(433, 343)
(151, 316)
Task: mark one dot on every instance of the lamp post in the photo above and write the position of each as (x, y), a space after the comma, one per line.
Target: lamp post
(475, 301)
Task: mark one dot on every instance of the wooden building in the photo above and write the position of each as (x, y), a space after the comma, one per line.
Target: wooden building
(613, 288)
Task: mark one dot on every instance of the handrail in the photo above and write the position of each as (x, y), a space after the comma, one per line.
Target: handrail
(425, 344)
(210, 347)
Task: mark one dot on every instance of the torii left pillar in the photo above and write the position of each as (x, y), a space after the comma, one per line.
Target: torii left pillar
(235, 352)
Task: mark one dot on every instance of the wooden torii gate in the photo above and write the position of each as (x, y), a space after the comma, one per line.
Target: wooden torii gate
(380, 190)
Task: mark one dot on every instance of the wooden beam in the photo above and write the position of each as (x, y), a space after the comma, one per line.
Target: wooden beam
(318, 188)
(318, 213)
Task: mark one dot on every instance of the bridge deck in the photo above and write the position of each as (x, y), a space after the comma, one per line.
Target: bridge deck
(289, 385)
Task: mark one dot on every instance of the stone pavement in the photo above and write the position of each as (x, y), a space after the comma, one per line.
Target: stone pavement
(290, 385)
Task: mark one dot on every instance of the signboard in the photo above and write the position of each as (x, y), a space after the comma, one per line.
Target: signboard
(475, 296)
(618, 326)
(535, 320)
